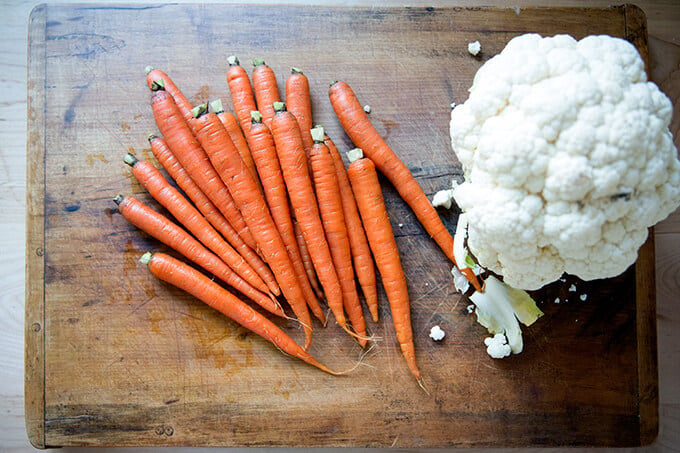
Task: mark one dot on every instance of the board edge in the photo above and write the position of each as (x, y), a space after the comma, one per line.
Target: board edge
(34, 324)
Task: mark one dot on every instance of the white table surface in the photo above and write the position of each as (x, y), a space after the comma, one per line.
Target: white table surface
(663, 17)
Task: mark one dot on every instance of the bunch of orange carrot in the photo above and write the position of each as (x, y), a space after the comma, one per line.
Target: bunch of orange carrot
(271, 210)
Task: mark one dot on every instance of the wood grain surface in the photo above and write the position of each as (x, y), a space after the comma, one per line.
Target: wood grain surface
(663, 18)
(117, 358)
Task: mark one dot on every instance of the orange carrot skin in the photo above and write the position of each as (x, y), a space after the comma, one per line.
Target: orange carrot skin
(198, 285)
(266, 91)
(162, 152)
(263, 151)
(299, 103)
(193, 158)
(232, 170)
(291, 153)
(361, 252)
(164, 230)
(181, 100)
(368, 194)
(307, 260)
(241, 92)
(232, 127)
(170, 198)
(358, 127)
(330, 208)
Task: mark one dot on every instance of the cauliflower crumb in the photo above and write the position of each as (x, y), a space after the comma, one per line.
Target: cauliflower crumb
(436, 333)
(583, 297)
(401, 225)
(572, 288)
(453, 105)
(557, 300)
(459, 281)
(474, 48)
(367, 108)
(497, 346)
(443, 199)
(471, 308)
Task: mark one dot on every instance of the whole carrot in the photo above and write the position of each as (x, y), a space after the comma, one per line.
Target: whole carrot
(299, 103)
(330, 208)
(361, 252)
(153, 75)
(198, 285)
(232, 127)
(188, 151)
(172, 200)
(291, 153)
(241, 92)
(368, 194)
(166, 231)
(261, 144)
(161, 151)
(266, 89)
(229, 165)
(358, 127)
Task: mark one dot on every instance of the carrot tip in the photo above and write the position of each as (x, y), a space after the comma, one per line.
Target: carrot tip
(255, 116)
(130, 159)
(146, 258)
(118, 199)
(258, 61)
(157, 85)
(279, 107)
(295, 70)
(233, 60)
(148, 69)
(217, 106)
(199, 110)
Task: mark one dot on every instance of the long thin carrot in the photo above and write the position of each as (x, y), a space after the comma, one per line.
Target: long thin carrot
(330, 207)
(361, 252)
(182, 102)
(184, 212)
(230, 123)
(241, 92)
(193, 158)
(198, 285)
(162, 152)
(307, 261)
(266, 89)
(299, 103)
(229, 165)
(291, 153)
(263, 151)
(368, 194)
(358, 127)
(166, 231)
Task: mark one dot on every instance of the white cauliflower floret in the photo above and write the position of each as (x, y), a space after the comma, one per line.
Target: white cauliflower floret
(567, 157)
(497, 346)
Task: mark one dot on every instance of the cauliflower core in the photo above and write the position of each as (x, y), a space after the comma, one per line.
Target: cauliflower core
(567, 157)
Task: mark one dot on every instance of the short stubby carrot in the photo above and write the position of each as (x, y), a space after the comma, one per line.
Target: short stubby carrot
(198, 285)
(293, 160)
(193, 158)
(266, 89)
(162, 152)
(330, 207)
(263, 151)
(299, 103)
(368, 194)
(172, 200)
(361, 252)
(358, 127)
(230, 167)
(169, 233)
(241, 92)
(153, 75)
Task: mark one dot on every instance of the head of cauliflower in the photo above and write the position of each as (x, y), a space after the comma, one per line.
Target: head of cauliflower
(567, 156)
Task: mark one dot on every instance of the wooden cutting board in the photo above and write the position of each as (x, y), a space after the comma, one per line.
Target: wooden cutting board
(115, 357)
